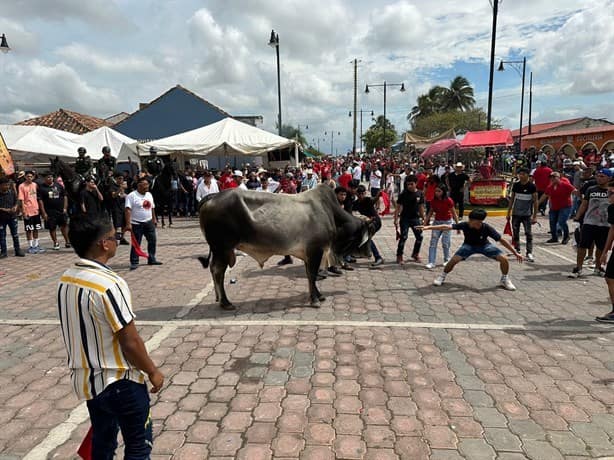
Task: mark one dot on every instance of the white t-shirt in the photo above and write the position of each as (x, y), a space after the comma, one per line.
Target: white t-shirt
(203, 190)
(357, 174)
(141, 207)
(375, 181)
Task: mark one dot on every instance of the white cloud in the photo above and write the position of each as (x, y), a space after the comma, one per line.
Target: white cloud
(37, 87)
(82, 54)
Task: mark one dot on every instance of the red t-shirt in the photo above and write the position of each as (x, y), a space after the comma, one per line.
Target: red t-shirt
(344, 180)
(227, 181)
(541, 177)
(560, 196)
(429, 193)
(421, 180)
(442, 208)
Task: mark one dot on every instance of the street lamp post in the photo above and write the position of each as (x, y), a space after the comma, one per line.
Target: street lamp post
(514, 64)
(332, 140)
(361, 112)
(493, 39)
(4, 46)
(385, 85)
(530, 98)
(274, 42)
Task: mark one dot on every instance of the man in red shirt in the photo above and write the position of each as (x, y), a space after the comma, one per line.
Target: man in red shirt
(226, 180)
(559, 192)
(541, 178)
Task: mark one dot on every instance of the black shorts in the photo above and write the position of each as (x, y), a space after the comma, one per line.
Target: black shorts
(32, 223)
(55, 220)
(590, 234)
(609, 269)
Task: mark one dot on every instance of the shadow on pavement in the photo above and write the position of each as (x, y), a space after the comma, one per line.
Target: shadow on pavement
(562, 328)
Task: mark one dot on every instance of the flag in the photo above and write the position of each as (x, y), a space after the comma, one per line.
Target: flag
(508, 229)
(6, 161)
(136, 247)
(85, 449)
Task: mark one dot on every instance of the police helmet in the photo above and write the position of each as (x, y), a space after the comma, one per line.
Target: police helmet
(81, 150)
(106, 149)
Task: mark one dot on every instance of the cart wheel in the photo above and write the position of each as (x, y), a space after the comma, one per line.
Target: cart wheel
(503, 202)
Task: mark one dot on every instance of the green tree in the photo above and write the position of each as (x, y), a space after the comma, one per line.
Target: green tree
(459, 96)
(428, 103)
(373, 138)
(291, 132)
(461, 122)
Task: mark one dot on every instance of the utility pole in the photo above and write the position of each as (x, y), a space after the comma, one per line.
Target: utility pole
(355, 104)
(495, 11)
(530, 99)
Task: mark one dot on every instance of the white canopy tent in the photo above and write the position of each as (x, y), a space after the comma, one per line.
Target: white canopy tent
(225, 138)
(122, 147)
(37, 144)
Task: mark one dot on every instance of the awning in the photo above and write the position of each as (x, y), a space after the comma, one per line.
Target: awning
(493, 138)
(420, 142)
(440, 147)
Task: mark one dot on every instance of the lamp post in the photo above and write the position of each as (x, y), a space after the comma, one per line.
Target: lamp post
(530, 98)
(360, 112)
(493, 39)
(332, 140)
(4, 45)
(385, 85)
(274, 42)
(514, 64)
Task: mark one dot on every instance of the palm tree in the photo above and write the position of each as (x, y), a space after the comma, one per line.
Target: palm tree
(459, 96)
(429, 103)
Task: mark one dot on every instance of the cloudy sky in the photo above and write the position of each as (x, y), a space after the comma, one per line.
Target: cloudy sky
(101, 57)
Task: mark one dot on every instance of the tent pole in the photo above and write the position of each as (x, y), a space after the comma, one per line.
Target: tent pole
(296, 154)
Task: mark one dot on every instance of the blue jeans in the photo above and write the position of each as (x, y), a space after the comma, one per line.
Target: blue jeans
(12, 225)
(148, 230)
(559, 218)
(445, 236)
(122, 405)
(405, 226)
(375, 251)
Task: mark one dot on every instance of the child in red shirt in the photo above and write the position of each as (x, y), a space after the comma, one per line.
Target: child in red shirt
(442, 207)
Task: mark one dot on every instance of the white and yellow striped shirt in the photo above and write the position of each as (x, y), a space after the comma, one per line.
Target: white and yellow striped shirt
(94, 303)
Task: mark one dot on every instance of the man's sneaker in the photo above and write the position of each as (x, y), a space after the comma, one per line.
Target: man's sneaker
(334, 271)
(32, 250)
(400, 260)
(19, 253)
(609, 318)
(285, 261)
(575, 273)
(507, 284)
(3, 255)
(429, 266)
(56, 247)
(133, 267)
(445, 261)
(439, 280)
(416, 258)
(565, 240)
(530, 257)
(589, 261)
(347, 267)
(379, 261)
(39, 249)
(552, 241)
(598, 272)
(67, 245)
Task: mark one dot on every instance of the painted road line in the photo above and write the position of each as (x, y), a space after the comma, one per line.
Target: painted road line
(61, 433)
(556, 254)
(340, 323)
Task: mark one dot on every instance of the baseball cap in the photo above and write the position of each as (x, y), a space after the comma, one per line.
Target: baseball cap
(605, 172)
(238, 173)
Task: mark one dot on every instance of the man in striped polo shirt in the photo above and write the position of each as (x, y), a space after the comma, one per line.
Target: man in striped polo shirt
(106, 355)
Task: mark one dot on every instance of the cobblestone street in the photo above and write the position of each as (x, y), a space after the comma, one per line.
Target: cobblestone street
(390, 367)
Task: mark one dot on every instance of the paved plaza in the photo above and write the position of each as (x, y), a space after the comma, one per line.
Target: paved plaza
(390, 367)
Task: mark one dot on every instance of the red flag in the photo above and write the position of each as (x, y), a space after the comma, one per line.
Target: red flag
(137, 248)
(508, 229)
(85, 449)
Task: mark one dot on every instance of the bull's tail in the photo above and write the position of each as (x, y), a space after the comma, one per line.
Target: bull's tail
(205, 260)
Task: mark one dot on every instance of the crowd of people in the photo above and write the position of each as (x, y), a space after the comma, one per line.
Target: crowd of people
(420, 194)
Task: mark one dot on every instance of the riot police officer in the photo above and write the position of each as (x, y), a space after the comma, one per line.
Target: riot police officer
(83, 163)
(153, 164)
(106, 164)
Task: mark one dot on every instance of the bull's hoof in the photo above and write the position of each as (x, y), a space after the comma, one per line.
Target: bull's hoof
(228, 307)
